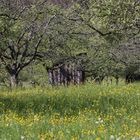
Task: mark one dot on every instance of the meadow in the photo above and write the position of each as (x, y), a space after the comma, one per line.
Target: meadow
(87, 112)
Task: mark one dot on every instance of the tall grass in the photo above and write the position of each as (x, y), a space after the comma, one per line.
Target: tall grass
(77, 112)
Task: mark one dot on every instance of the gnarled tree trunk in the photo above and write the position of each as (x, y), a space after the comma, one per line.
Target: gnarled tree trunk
(13, 73)
(13, 80)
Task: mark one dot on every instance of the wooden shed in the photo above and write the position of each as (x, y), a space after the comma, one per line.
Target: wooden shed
(66, 74)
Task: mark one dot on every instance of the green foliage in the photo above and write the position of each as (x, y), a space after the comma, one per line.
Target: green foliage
(65, 29)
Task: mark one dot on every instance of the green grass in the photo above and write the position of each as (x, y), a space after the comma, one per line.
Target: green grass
(88, 112)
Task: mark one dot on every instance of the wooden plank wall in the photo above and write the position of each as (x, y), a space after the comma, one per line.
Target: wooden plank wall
(66, 75)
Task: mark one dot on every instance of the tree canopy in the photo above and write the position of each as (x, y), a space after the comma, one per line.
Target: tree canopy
(52, 31)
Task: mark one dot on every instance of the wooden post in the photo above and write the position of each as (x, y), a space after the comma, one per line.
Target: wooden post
(59, 77)
(50, 76)
(78, 76)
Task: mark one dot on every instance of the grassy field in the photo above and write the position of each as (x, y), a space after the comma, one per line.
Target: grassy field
(88, 112)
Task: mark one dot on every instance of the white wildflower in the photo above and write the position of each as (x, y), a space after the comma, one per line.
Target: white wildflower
(112, 137)
(22, 137)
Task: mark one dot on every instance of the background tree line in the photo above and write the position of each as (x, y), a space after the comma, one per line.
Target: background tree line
(41, 33)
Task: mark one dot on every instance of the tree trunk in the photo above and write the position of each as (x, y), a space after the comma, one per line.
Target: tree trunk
(117, 80)
(128, 79)
(13, 72)
(13, 80)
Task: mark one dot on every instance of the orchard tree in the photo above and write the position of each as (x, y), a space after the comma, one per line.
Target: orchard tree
(128, 54)
(110, 22)
(103, 24)
(22, 30)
